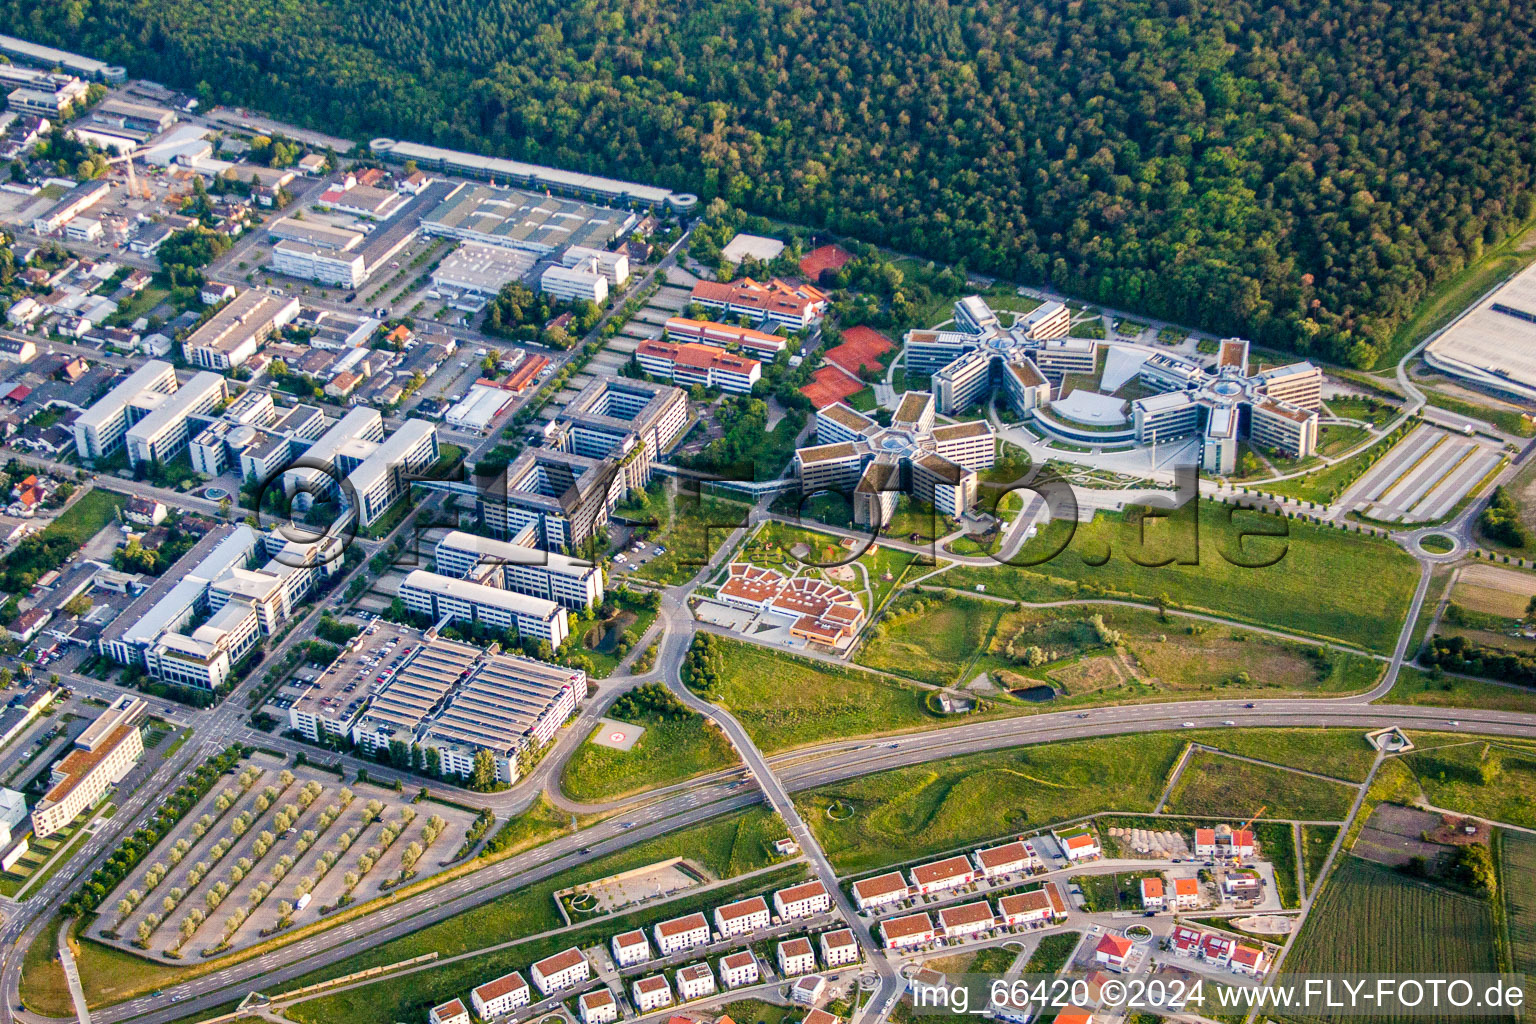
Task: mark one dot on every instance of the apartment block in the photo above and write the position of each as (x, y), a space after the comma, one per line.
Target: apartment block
(796, 957)
(501, 996)
(560, 971)
(98, 760)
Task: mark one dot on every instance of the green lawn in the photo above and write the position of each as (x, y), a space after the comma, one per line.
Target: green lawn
(913, 812)
(1416, 686)
(88, 516)
(1338, 438)
(669, 751)
(786, 701)
(43, 987)
(1217, 785)
(1369, 409)
(931, 637)
(1291, 582)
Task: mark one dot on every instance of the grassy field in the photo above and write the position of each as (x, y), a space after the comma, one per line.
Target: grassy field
(1458, 778)
(956, 637)
(936, 644)
(1213, 784)
(1053, 952)
(755, 1011)
(389, 1001)
(1372, 919)
(90, 513)
(1416, 686)
(1316, 840)
(1517, 856)
(1290, 583)
(913, 812)
(669, 751)
(784, 701)
(43, 988)
(1342, 753)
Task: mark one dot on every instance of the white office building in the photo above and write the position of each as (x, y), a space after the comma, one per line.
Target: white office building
(584, 280)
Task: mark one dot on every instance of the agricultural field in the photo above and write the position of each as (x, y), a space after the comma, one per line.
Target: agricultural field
(1496, 781)
(1284, 582)
(1371, 919)
(1517, 874)
(1216, 785)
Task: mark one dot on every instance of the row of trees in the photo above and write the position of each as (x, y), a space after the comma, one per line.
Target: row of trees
(136, 847)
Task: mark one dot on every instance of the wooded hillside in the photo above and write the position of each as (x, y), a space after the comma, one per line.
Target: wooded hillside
(1298, 171)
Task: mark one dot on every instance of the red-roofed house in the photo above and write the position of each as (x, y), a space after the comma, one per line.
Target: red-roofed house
(1075, 1015)
(805, 900)
(1216, 949)
(969, 919)
(796, 956)
(1205, 842)
(1185, 940)
(1186, 893)
(1152, 894)
(500, 996)
(1112, 951)
(880, 891)
(451, 1012)
(566, 968)
(598, 1007)
(950, 873)
(1249, 960)
(998, 861)
(742, 917)
(912, 930)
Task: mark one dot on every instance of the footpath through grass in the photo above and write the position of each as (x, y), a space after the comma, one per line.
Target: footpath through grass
(1298, 577)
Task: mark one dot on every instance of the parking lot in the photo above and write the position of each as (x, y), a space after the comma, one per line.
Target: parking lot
(1423, 477)
(267, 835)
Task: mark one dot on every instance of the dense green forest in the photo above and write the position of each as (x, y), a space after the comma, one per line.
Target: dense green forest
(1299, 171)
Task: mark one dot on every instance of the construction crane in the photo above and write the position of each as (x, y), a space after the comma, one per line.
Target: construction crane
(1237, 856)
(135, 187)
